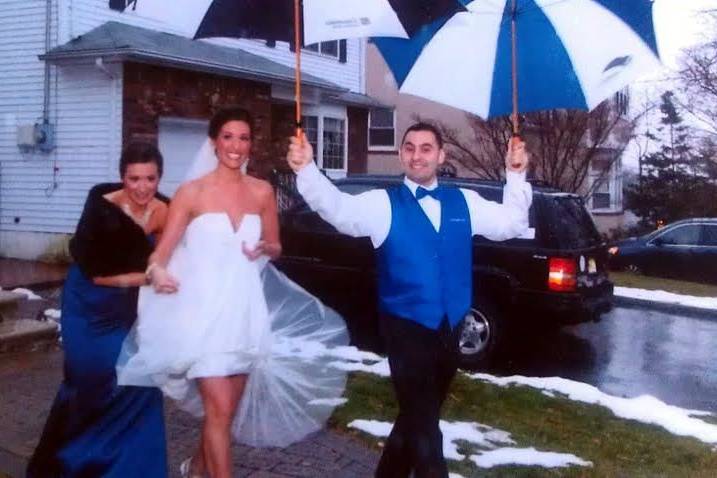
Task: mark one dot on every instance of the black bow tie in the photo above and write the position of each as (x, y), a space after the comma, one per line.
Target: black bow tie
(422, 192)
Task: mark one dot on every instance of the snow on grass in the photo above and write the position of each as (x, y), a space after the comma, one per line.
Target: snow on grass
(665, 297)
(645, 408)
(330, 402)
(379, 368)
(27, 293)
(527, 457)
(485, 437)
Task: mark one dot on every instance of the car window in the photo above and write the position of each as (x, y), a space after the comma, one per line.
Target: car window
(491, 194)
(687, 235)
(709, 235)
(568, 224)
(353, 188)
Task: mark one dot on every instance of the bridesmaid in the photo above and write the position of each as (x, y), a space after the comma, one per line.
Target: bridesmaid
(95, 428)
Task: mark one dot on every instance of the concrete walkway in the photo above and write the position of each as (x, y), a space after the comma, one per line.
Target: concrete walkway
(29, 382)
(30, 379)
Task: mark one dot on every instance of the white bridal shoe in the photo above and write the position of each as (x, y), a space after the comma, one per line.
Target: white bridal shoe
(186, 469)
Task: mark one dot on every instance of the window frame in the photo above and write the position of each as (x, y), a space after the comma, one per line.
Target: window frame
(394, 146)
(614, 184)
(323, 112)
(320, 49)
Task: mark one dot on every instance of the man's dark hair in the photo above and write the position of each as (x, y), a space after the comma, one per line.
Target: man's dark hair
(421, 126)
(225, 115)
(140, 153)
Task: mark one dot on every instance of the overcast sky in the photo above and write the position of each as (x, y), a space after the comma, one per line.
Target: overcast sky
(678, 25)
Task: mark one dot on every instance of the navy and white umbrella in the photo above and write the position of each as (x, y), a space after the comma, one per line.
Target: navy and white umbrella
(502, 56)
(324, 20)
(299, 21)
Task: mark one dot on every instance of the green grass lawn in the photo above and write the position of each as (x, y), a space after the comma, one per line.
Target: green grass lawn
(616, 447)
(627, 279)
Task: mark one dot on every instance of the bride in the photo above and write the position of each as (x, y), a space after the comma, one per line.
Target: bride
(220, 331)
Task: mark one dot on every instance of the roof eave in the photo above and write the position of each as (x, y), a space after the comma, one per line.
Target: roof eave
(150, 57)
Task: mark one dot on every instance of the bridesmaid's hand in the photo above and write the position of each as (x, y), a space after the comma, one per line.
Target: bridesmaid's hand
(163, 282)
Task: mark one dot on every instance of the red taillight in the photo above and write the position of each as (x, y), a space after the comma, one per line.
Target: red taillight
(562, 274)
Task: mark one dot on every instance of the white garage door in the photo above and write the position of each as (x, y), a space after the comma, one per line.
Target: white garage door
(179, 141)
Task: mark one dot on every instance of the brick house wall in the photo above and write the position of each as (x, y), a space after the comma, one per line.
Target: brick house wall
(151, 92)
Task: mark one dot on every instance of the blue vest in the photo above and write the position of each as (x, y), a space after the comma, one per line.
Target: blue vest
(424, 275)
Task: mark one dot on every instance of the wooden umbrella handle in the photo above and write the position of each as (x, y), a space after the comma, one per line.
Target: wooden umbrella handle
(514, 68)
(297, 76)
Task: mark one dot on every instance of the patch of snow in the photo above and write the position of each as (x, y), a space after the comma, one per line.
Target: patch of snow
(376, 428)
(454, 475)
(481, 435)
(28, 293)
(352, 353)
(548, 393)
(665, 297)
(527, 457)
(53, 314)
(484, 437)
(331, 402)
(645, 408)
(380, 368)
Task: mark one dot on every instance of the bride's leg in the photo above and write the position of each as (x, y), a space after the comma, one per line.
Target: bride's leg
(220, 396)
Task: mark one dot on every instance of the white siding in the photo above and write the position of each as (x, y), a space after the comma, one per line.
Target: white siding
(88, 14)
(85, 107)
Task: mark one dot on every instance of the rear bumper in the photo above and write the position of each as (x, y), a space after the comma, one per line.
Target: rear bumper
(566, 308)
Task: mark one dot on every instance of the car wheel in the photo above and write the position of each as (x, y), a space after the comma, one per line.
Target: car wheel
(479, 336)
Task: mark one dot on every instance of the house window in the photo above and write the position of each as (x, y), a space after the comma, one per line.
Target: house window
(327, 135)
(601, 196)
(606, 185)
(311, 129)
(382, 129)
(334, 149)
(326, 48)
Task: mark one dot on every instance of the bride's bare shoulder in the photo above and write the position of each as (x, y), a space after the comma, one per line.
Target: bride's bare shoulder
(260, 187)
(189, 191)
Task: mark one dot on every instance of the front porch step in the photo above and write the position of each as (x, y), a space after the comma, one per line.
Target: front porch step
(24, 335)
(9, 303)
(23, 326)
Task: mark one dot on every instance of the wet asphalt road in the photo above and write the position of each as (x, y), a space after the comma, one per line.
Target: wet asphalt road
(631, 352)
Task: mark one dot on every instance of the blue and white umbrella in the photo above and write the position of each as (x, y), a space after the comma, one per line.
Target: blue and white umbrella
(505, 56)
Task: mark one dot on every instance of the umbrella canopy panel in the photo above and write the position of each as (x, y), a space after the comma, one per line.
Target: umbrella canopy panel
(570, 54)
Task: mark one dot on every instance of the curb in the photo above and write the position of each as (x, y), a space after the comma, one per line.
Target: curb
(680, 309)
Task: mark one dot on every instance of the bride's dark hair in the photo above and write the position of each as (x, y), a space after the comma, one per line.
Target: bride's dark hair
(225, 115)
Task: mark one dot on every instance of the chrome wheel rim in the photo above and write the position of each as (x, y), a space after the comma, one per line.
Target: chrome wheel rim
(476, 333)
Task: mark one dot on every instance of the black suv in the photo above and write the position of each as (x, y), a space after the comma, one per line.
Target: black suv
(557, 277)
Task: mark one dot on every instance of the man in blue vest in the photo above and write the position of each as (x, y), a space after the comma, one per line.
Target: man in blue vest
(422, 233)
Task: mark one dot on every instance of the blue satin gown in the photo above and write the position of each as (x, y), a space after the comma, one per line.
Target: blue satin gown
(95, 428)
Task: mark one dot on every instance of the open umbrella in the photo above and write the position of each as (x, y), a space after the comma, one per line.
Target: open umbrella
(505, 56)
(297, 21)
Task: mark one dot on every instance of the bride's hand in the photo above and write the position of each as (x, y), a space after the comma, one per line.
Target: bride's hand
(255, 253)
(262, 248)
(163, 282)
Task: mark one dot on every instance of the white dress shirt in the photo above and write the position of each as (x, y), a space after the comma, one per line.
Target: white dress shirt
(369, 213)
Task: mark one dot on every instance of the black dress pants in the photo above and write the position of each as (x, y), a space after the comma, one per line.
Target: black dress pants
(423, 363)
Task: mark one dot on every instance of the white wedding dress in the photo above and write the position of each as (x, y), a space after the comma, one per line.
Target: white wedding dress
(236, 316)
